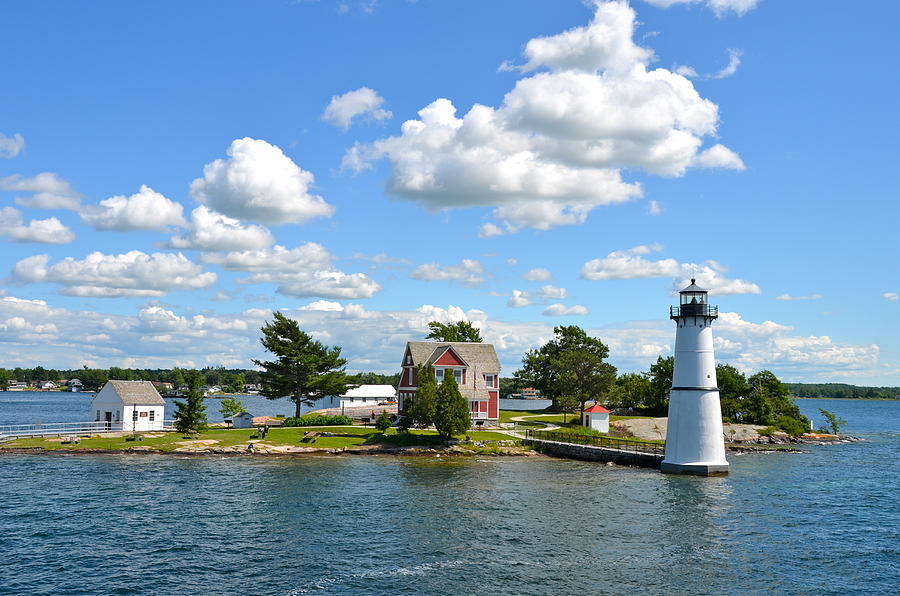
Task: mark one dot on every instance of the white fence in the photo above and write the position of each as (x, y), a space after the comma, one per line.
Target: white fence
(39, 429)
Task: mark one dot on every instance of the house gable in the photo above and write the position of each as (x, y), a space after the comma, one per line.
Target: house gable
(449, 358)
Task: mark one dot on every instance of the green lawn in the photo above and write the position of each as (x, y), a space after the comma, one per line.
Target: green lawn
(544, 416)
(277, 436)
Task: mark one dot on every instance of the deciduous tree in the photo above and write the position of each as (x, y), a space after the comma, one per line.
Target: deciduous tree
(458, 331)
(231, 407)
(555, 368)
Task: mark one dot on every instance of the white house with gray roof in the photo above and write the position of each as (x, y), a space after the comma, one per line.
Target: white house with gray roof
(129, 406)
(475, 367)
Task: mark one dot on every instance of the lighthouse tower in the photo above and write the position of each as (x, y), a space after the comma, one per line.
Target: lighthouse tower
(694, 440)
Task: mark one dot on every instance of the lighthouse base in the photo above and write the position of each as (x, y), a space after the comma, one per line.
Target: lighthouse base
(695, 469)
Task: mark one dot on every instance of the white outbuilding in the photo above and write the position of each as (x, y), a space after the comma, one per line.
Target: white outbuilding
(368, 395)
(242, 420)
(129, 406)
(596, 417)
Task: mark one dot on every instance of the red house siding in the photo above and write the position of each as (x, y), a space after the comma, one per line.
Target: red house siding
(494, 405)
(449, 358)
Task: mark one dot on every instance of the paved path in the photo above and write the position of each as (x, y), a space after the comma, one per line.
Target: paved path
(520, 433)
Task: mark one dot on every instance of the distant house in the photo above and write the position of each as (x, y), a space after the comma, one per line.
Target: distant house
(14, 385)
(252, 387)
(210, 389)
(475, 367)
(242, 420)
(49, 385)
(596, 417)
(368, 395)
(74, 385)
(129, 405)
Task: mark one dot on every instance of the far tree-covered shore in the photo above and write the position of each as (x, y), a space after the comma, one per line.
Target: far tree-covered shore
(229, 378)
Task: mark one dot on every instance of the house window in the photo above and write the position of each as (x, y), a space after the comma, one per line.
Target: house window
(117, 415)
(98, 415)
(457, 374)
(439, 374)
(152, 415)
(489, 380)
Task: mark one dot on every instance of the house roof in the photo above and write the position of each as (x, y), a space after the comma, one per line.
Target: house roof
(386, 391)
(479, 355)
(596, 409)
(137, 393)
(481, 358)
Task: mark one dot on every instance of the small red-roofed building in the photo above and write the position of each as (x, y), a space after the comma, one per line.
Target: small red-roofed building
(596, 417)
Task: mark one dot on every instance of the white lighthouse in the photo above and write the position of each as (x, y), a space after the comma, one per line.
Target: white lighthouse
(694, 440)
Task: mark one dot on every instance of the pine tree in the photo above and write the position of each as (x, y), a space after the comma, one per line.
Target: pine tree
(451, 415)
(190, 415)
(305, 369)
(422, 411)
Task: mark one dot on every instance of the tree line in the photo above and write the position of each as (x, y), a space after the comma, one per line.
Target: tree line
(842, 391)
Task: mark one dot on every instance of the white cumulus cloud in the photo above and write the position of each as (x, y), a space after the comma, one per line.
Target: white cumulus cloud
(538, 274)
(467, 272)
(213, 231)
(258, 182)
(11, 146)
(720, 7)
(45, 231)
(789, 297)
(103, 275)
(892, 296)
(144, 210)
(561, 310)
(549, 292)
(303, 272)
(518, 299)
(50, 191)
(343, 109)
(556, 147)
(630, 264)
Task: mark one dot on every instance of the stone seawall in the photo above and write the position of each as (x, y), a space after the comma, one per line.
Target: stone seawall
(593, 453)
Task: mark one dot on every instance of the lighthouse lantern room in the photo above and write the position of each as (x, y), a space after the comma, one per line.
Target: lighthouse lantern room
(695, 443)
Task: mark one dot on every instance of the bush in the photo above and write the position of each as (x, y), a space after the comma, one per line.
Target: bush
(384, 422)
(791, 426)
(767, 431)
(317, 420)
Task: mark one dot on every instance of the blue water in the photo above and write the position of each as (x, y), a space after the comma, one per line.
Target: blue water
(822, 522)
(30, 407)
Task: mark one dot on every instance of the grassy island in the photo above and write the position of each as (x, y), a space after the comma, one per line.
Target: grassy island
(278, 440)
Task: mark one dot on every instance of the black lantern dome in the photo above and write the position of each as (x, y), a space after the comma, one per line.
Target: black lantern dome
(694, 303)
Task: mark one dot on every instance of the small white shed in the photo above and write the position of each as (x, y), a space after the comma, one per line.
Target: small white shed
(596, 417)
(129, 406)
(242, 420)
(368, 395)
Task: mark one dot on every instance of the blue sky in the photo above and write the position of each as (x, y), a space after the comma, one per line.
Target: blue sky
(172, 172)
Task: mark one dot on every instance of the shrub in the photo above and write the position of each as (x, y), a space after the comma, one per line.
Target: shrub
(767, 431)
(791, 426)
(317, 420)
(384, 422)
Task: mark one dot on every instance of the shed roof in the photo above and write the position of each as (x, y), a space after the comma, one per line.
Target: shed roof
(372, 391)
(596, 409)
(137, 393)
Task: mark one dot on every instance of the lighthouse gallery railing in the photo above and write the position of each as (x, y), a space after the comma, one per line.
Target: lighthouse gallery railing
(693, 310)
